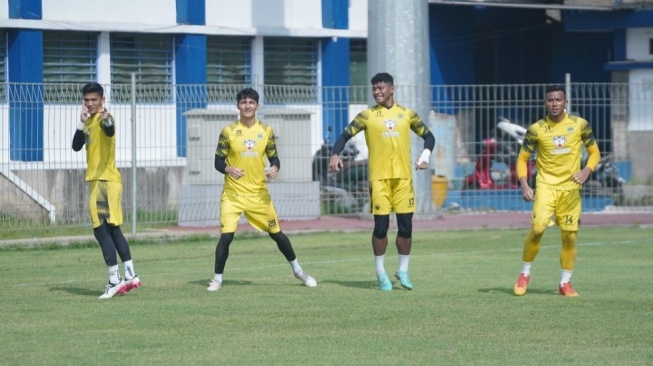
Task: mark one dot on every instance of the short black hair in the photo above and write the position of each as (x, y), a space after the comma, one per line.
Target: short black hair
(93, 88)
(555, 88)
(383, 77)
(247, 93)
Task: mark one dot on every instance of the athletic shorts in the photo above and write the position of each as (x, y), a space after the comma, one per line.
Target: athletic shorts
(104, 202)
(258, 210)
(565, 205)
(392, 195)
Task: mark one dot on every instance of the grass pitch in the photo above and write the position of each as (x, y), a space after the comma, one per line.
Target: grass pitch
(461, 312)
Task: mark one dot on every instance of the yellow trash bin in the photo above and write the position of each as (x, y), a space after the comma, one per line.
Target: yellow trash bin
(439, 190)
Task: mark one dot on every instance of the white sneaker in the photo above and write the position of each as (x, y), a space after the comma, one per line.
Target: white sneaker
(306, 279)
(111, 290)
(214, 285)
(132, 283)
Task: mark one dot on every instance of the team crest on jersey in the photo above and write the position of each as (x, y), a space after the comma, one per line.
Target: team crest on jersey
(239, 132)
(390, 125)
(559, 140)
(249, 144)
(259, 136)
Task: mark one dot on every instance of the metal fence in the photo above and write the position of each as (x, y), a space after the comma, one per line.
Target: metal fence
(174, 130)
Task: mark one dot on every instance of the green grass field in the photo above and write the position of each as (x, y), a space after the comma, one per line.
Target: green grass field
(461, 312)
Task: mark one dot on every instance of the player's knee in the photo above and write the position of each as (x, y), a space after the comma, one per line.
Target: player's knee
(538, 229)
(405, 225)
(568, 237)
(381, 225)
(226, 239)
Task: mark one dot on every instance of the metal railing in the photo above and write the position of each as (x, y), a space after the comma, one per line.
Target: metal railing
(42, 179)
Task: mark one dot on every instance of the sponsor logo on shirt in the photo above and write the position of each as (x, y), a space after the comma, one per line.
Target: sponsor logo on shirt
(390, 125)
(249, 145)
(559, 141)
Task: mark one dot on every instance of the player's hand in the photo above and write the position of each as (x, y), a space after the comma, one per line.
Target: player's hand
(272, 172)
(581, 176)
(235, 173)
(421, 165)
(527, 193)
(335, 163)
(84, 115)
(104, 114)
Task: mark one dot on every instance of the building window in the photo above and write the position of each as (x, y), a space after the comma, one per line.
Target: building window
(69, 61)
(358, 71)
(650, 46)
(290, 66)
(228, 62)
(149, 56)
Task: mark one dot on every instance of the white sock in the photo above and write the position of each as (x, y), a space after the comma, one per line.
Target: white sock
(114, 274)
(217, 277)
(295, 266)
(129, 270)
(379, 261)
(403, 262)
(526, 268)
(565, 276)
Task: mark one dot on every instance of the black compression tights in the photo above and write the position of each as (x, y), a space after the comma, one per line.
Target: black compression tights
(111, 240)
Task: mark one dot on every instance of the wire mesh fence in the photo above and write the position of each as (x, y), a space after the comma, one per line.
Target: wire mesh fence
(173, 131)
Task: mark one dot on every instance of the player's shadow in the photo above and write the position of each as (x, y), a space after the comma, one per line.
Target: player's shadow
(354, 284)
(77, 290)
(205, 283)
(510, 291)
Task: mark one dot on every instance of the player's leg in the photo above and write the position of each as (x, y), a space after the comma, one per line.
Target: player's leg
(98, 211)
(404, 244)
(403, 201)
(543, 208)
(114, 195)
(381, 207)
(262, 215)
(230, 211)
(568, 216)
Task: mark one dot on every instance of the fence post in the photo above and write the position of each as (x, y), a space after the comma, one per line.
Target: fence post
(568, 91)
(133, 92)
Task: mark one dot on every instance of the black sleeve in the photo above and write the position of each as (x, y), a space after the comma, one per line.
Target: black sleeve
(78, 140)
(275, 162)
(429, 141)
(340, 144)
(220, 163)
(109, 131)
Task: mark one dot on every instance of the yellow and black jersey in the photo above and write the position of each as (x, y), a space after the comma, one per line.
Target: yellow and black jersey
(558, 149)
(247, 148)
(100, 151)
(387, 132)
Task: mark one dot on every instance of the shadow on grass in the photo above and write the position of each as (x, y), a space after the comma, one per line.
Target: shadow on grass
(354, 284)
(78, 291)
(509, 291)
(205, 283)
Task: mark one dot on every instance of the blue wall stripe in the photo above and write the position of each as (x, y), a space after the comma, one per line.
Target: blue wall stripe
(190, 70)
(191, 12)
(335, 14)
(25, 9)
(335, 91)
(25, 94)
(335, 69)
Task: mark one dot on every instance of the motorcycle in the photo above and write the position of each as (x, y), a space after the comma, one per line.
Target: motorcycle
(496, 167)
(349, 187)
(604, 180)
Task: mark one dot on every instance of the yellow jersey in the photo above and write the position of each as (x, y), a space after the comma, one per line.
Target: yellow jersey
(100, 151)
(387, 132)
(247, 148)
(558, 149)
